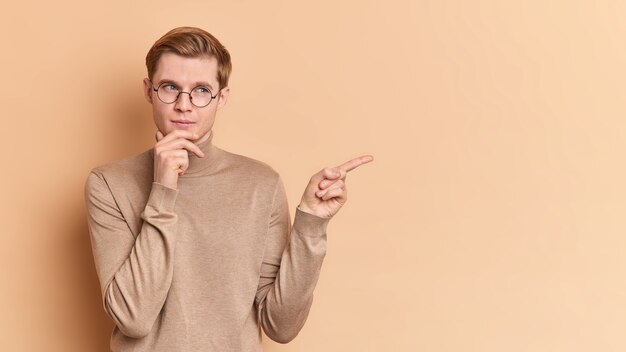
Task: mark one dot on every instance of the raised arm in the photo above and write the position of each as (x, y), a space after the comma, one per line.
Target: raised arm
(290, 269)
(292, 263)
(135, 273)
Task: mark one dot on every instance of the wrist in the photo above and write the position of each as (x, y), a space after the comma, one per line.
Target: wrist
(304, 208)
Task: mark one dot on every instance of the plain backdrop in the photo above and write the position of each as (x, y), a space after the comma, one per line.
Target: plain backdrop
(492, 218)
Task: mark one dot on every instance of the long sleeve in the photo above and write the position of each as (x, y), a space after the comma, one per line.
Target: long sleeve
(135, 273)
(291, 266)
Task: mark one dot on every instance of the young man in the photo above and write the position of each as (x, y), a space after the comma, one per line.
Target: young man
(193, 245)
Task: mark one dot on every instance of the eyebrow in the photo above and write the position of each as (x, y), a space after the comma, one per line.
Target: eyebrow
(198, 83)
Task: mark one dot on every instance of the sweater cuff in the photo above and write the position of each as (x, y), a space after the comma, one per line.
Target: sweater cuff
(162, 197)
(308, 224)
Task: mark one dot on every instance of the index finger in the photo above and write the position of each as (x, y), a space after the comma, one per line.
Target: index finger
(354, 163)
(180, 134)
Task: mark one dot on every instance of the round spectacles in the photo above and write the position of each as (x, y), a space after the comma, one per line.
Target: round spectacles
(168, 93)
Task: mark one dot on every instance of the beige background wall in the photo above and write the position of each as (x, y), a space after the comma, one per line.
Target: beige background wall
(492, 219)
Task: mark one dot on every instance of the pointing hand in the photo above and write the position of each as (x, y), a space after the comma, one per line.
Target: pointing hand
(326, 192)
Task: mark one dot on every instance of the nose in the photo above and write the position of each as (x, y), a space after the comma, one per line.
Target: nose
(183, 103)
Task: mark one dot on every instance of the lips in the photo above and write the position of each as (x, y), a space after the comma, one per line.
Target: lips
(183, 124)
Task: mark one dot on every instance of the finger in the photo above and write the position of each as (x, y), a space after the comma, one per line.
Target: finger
(319, 176)
(175, 134)
(159, 135)
(332, 193)
(354, 163)
(334, 185)
(173, 158)
(182, 143)
(332, 173)
(328, 183)
(181, 163)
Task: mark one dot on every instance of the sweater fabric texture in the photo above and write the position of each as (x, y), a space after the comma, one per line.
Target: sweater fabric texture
(205, 266)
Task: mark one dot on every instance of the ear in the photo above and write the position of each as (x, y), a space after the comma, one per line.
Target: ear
(147, 90)
(223, 97)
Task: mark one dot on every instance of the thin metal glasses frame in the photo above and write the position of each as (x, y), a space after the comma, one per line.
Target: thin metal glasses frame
(178, 95)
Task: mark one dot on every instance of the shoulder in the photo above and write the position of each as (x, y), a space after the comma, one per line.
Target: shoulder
(127, 171)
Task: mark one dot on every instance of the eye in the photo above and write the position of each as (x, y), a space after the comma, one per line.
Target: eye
(202, 90)
(169, 86)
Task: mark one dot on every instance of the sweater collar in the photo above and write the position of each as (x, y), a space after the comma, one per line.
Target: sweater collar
(201, 166)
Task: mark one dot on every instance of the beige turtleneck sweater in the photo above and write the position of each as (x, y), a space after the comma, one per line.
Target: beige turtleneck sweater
(205, 266)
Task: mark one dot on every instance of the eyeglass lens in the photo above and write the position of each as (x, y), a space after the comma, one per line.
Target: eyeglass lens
(169, 93)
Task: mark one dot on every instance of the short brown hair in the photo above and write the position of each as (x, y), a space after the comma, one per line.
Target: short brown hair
(191, 42)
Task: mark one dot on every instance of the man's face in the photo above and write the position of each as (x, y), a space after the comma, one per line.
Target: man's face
(186, 73)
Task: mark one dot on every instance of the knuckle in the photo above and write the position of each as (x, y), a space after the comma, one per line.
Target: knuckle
(163, 154)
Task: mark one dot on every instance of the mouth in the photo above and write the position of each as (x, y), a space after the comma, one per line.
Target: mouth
(183, 123)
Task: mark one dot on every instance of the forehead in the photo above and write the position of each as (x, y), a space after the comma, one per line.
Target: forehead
(186, 69)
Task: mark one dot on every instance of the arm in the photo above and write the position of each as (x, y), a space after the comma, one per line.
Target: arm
(135, 274)
(290, 269)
